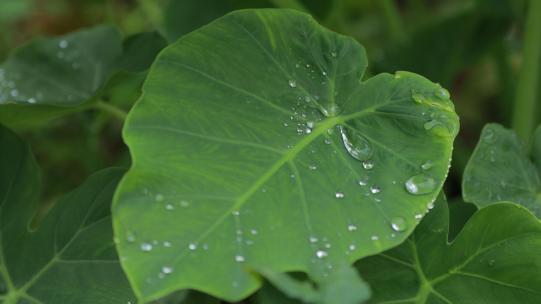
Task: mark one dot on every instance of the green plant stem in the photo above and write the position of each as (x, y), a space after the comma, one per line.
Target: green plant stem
(393, 19)
(293, 4)
(111, 110)
(524, 112)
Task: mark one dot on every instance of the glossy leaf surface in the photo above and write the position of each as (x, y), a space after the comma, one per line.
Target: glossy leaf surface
(256, 145)
(500, 170)
(70, 257)
(494, 259)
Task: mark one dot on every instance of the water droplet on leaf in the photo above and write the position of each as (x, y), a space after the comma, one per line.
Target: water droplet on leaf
(420, 184)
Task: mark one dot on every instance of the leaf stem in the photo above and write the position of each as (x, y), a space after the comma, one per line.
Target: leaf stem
(293, 4)
(111, 110)
(524, 112)
(393, 19)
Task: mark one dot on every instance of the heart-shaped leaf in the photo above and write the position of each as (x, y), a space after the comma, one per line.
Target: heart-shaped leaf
(494, 259)
(257, 146)
(70, 257)
(50, 77)
(500, 170)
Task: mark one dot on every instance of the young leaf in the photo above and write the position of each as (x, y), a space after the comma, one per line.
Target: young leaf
(494, 259)
(70, 257)
(500, 170)
(256, 145)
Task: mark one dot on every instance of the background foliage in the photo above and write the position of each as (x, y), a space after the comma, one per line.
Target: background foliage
(475, 48)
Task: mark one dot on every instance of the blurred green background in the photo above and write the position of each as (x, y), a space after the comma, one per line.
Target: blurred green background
(472, 47)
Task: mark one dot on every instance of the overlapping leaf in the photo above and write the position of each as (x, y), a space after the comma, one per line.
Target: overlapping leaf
(257, 146)
(70, 257)
(500, 170)
(494, 259)
(49, 77)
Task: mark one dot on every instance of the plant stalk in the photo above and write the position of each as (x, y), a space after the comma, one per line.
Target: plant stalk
(393, 19)
(524, 112)
(111, 110)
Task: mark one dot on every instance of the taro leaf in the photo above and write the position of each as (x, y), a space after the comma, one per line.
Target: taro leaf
(494, 259)
(70, 257)
(500, 170)
(50, 77)
(240, 162)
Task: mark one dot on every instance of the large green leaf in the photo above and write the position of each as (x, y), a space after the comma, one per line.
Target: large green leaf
(500, 170)
(494, 259)
(256, 146)
(50, 77)
(70, 257)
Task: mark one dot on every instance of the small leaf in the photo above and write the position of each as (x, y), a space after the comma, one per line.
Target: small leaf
(70, 257)
(494, 259)
(500, 170)
(256, 145)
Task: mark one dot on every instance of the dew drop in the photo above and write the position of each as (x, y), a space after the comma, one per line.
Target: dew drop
(356, 145)
(352, 247)
(398, 224)
(374, 238)
(420, 184)
(418, 97)
(321, 254)
(192, 246)
(166, 244)
(368, 165)
(328, 141)
(375, 189)
(363, 182)
(159, 197)
(313, 239)
(489, 136)
(167, 269)
(339, 194)
(352, 227)
(331, 110)
(292, 83)
(312, 167)
(169, 207)
(427, 165)
(239, 259)
(146, 247)
(334, 54)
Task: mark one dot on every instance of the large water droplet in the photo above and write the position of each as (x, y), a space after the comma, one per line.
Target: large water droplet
(420, 184)
(442, 124)
(398, 224)
(356, 145)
